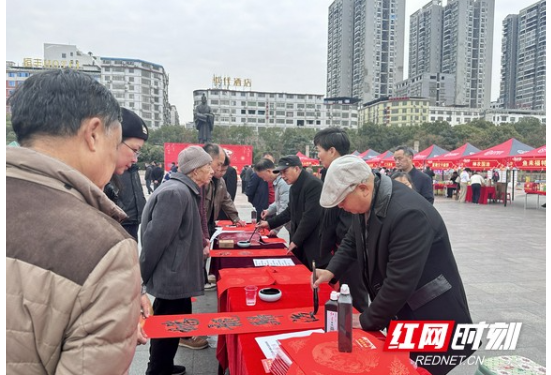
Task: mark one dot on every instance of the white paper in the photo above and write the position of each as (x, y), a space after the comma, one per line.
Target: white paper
(270, 344)
(273, 262)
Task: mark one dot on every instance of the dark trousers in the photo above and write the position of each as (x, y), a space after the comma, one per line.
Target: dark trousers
(148, 186)
(156, 185)
(450, 191)
(244, 185)
(476, 192)
(162, 351)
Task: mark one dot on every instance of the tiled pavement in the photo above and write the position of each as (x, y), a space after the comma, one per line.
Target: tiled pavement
(500, 252)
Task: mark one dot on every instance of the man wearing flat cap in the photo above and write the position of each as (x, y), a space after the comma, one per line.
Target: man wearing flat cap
(303, 212)
(402, 247)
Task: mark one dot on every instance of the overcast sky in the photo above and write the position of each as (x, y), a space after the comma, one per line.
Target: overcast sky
(280, 45)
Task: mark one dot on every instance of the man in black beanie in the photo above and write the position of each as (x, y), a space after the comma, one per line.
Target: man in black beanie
(125, 187)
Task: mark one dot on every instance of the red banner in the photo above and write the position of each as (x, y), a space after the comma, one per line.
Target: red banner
(166, 326)
(239, 155)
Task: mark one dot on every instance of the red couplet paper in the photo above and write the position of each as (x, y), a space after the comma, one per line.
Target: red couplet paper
(167, 326)
(319, 354)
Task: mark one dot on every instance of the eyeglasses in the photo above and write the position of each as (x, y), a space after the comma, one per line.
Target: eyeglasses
(136, 152)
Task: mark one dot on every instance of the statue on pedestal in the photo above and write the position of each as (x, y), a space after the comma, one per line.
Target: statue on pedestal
(204, 120)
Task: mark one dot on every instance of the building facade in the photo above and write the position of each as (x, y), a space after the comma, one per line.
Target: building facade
(523, 59)
(438, 88)
(467, 42)
(138, 85)
(365, 48)
(396, 111)
(269, 109)
(425, 40)
(17, 74)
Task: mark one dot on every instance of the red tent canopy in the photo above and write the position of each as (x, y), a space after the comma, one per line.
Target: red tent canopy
(374, 162)
(368, 154)
(534, 160)
(432, 151)
(499, 156)
(306, 161)
(452, 159)
(388, 162)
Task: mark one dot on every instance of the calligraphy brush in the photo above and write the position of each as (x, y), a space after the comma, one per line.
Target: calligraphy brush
(315, 290)
(251, 237)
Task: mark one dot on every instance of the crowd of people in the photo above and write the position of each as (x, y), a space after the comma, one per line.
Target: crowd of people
(74, 181)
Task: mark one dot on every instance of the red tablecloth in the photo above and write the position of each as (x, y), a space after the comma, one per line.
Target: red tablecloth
(228, 350)
(219, 263)
(443, 188)
(485, 193)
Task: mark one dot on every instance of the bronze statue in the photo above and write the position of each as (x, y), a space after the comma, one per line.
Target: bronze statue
(204, 120)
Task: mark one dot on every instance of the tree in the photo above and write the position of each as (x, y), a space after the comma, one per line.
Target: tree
(10, 134)
(531, 130)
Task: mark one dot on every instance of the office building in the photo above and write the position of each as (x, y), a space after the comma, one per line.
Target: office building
(269, 109)
(395, 111)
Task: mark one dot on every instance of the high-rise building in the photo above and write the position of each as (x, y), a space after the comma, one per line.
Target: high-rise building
(523, 59)
(365, 48)
(425, 39)
(467, 40)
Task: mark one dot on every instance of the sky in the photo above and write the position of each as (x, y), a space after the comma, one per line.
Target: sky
(280, 45)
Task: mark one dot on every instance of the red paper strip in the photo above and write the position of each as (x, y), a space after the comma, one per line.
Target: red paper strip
(273, 240)
(167, 326)
(249, 227)
(247, 253)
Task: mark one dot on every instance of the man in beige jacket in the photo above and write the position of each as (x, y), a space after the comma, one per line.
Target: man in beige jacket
(72, 273)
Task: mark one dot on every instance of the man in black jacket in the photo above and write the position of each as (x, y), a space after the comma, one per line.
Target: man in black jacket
(303, 212)
(332, 143)
(157, 175)
(403, 156)
(401, 245)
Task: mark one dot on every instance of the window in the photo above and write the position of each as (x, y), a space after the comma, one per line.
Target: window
(63, 55)
(214, 101)
(290, 106)
(252, 112)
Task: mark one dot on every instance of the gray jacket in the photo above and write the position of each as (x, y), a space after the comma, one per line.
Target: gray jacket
(172, 240)
(281, 191)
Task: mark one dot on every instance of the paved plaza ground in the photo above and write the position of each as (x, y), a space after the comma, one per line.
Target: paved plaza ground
(500, 252)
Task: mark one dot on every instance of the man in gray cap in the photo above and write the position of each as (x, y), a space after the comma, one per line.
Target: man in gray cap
(172, 249)
(401, 245)
(303, 212)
